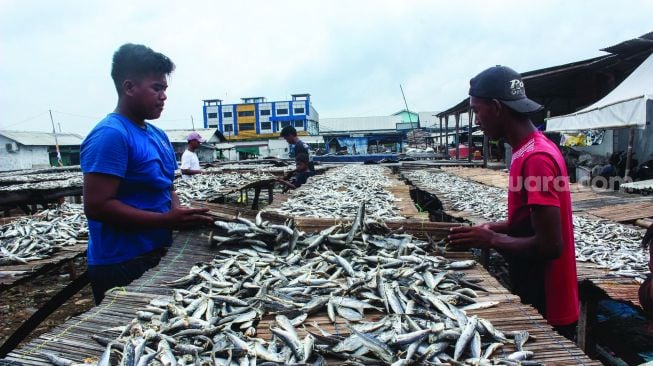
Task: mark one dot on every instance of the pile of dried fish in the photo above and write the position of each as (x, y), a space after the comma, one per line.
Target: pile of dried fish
(207, 187)
(254, 167)
(75, 181)
(611, 245)
(31, 178)
(394, 304)
(40, 235)
(485, 201)
(606, 243)
(339, 192)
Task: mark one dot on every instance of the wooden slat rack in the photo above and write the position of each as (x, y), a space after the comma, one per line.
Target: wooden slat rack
(72, 339)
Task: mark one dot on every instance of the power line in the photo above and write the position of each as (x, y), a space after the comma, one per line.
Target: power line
(26, 119)
(78, 115)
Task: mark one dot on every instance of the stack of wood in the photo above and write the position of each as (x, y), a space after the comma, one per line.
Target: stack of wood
(417, 137)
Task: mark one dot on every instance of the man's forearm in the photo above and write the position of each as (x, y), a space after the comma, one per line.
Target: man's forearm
(190, 171)
(526, 247)
(117, 213)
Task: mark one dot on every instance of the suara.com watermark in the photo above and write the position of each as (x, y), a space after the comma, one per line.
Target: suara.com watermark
(561, 183)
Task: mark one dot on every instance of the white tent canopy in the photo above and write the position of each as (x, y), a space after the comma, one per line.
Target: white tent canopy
(630, 104)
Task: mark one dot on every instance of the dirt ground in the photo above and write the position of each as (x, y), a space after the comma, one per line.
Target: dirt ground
(19, 303)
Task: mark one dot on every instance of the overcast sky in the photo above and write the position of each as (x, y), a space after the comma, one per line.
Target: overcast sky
(350, 55)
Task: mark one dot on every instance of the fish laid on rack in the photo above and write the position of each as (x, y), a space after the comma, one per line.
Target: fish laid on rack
(34, 178)
(42, 234)
(207, 187)
(255, 167)
(72, 182)
(603, 242)
(339, 192)
(395, 303)
(485, 201)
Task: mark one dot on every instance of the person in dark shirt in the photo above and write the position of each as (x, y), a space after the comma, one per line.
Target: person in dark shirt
(289, 133)
(300, 174)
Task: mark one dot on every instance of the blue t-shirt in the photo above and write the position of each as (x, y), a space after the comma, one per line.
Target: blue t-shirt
(298, 148)
(145, 161)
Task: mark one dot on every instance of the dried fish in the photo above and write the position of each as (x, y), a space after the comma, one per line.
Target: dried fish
(207, 187)
(42, 234)
(204, 323)
(339, 192)
(603, 242)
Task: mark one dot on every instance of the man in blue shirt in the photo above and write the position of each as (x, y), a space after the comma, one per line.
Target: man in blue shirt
(289, 133)
(300, 174)
(129, 168)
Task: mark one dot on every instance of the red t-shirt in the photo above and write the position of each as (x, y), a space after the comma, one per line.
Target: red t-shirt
(538, 177)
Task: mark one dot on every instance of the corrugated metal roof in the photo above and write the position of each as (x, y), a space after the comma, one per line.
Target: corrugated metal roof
(542, 79)
(179, 136)
(35, 138)
(353, 124)
(639, 44)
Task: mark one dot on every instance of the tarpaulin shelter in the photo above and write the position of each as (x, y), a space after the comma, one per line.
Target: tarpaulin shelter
(630, 104)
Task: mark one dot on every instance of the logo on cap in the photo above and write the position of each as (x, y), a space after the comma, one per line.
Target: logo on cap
(516, 87)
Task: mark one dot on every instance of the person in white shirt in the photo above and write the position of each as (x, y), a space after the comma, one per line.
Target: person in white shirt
(190, 164)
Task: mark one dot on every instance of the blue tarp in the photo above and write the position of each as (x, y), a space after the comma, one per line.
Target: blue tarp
(353, 158)
(354, 145)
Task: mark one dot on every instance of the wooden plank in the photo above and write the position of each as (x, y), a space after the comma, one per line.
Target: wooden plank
(24, 272)
(625, 212)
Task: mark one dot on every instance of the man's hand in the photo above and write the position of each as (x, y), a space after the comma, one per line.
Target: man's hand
(286, 183)
(183, 218)
(472, 236)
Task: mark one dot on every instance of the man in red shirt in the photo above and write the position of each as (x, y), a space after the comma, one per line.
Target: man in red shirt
(537, 240)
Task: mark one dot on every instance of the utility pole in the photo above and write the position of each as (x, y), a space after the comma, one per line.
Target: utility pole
(56, 142)
(410, 118)
(192, 122)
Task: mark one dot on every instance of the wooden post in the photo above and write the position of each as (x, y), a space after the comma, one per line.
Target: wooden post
(446, 135)
(486, 150)
(457, 136)
(629, 154)
(440, 142)
(257, 194)
(469, 139)
(587, 318)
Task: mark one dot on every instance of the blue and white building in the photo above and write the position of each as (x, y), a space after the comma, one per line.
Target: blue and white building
(256, 118)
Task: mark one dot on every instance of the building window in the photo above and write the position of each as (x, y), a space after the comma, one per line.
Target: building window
(265, 112)
(213, 115)
(299, 123)
(285, 124)
(227, 114)
(246, 127)
(228, 128)
(299, 110)
(282, 111)
(245, 113)
(266, 125)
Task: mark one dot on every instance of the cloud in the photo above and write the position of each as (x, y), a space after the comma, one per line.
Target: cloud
(350, 55)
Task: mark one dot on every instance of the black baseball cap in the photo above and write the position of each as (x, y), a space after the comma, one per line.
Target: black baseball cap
(505, 84)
